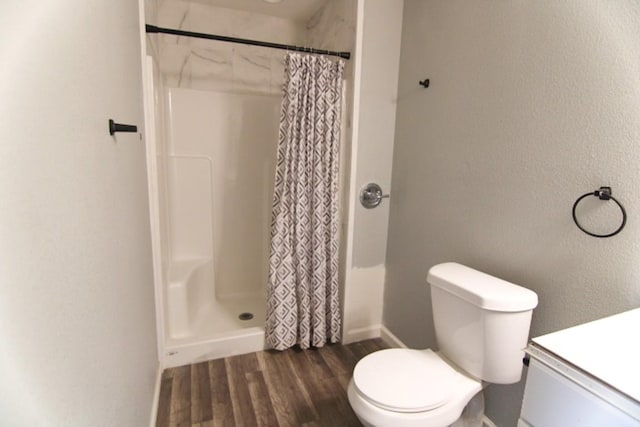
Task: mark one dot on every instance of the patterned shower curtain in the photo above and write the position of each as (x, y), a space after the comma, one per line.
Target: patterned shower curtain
(303, 300)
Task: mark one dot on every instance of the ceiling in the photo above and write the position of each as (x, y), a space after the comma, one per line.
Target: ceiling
(297, 10)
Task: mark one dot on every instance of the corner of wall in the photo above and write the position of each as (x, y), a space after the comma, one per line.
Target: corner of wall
(364, 297)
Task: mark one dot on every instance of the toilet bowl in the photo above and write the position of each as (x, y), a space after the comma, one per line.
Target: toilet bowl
(482, 325)
(403, 387)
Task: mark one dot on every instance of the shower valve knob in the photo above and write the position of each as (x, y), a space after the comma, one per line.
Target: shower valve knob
(371, 195)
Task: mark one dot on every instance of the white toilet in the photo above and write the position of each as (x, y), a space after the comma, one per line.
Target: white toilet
(482, 326)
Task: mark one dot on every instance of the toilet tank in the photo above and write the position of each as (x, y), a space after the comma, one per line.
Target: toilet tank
(481, 322)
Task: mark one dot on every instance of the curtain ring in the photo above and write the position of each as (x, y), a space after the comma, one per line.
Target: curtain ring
(604, 193)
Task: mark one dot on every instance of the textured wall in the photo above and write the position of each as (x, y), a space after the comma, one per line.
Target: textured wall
(76, 285)
(531, 104)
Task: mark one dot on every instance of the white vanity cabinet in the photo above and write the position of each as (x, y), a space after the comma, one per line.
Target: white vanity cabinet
(587, 376)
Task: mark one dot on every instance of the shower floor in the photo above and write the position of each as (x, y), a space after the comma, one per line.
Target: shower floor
(218, 332)
(220, 318)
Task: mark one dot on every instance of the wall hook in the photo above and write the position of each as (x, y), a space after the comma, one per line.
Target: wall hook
(424, 83)
(118, 127)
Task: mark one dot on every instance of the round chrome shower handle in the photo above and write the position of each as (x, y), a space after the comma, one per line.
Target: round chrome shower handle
(371, 195)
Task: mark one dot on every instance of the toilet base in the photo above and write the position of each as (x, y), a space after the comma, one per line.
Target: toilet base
(473, 413)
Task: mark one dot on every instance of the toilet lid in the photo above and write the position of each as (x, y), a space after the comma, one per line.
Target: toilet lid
(404, 380)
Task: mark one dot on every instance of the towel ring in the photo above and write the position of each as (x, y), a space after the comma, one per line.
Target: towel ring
(604, 193)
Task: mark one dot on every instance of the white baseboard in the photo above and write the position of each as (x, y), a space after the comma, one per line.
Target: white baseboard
(361, 334)
(156, 397)
(390, 339)
(374, 331)
(486, 422)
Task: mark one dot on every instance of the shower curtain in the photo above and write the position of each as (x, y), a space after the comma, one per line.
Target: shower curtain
(303, 300)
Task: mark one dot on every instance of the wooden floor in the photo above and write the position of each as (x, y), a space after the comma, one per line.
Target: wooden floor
(267, 388)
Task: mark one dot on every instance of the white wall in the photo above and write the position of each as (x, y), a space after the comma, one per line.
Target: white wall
(374, 111)
(531, 105)
(76, 296)
(382, 28)
(157, 108)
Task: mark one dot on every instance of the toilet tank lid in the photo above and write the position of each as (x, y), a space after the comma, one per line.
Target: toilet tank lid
(480, 289)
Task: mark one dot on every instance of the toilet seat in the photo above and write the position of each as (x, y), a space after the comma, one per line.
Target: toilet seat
(404, 380)
(376, 410)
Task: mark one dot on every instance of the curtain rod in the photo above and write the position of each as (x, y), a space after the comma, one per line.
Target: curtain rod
(155, 29)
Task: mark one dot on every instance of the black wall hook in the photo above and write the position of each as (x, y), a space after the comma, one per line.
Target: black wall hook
(117, 127)
(424, 83)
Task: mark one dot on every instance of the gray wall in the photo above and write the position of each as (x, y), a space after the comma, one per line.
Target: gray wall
(531, 105)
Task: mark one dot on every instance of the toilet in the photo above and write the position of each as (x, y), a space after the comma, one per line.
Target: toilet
(482, 326)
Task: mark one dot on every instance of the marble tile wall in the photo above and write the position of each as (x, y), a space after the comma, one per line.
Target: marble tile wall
(193, 63)
(333, 27)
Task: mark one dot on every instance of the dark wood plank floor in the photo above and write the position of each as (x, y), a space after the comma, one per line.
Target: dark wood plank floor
(267, 388)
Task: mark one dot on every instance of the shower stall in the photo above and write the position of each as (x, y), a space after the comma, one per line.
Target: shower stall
(220, 161)
(216, 110)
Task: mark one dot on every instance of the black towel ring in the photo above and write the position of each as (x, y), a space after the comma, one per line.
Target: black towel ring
(604, 193)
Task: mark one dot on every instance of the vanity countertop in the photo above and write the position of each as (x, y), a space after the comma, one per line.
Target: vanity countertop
(608, 349)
